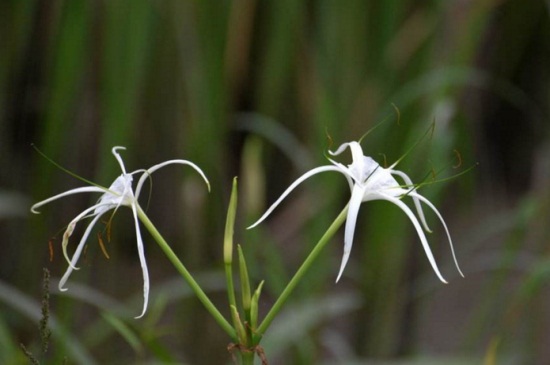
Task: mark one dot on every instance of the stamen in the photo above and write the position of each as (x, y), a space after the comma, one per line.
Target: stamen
(429, 132)
(432, 129)
(385, 160)
(108, 225)
(329, 138)
(66, 170)
(398, 113)
(109, 230)
(50, 249)
(102, 246)
(459, 158)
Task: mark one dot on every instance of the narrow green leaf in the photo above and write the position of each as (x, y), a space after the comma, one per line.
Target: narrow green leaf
(254, 306)
(239, 327)
(229, 225)
(228, 245)
(245, 282)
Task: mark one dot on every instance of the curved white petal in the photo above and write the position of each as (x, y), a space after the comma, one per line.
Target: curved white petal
(350, 180)
(305, 176)
(78, 251)
(149, 171)
(429, 204)
(354, 146)
(419, 230)
(118, 158)
(416, 201)
(70, 228)
(346, 172)
(351, 220)
(356, 152)
(84, 189)
(340, 149)
(143, 263)
(138, 171)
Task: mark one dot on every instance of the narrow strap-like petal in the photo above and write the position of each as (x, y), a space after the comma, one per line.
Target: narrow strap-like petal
(356, 151)
(416, 201)
(143, 263)
(118, 158)
(419, 230)
(70, 228)
(340, 149)
(77, 253)
(351, 220)
(291, 187)
(85, 189)
(345, 171)
(148, 172)
(429, 204)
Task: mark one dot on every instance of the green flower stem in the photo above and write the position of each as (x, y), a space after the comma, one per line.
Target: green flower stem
(248, 357)
(301, 271)
(230, 285)
(210, 307)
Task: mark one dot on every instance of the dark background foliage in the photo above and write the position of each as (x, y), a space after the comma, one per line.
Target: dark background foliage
(253, 89)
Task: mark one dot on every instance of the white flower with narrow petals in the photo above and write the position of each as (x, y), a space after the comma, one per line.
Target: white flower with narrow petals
(120, 193)
(369, 181)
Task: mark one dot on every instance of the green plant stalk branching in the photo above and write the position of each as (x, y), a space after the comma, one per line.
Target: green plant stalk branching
(301, 271)
(238, 332)
(201, 295)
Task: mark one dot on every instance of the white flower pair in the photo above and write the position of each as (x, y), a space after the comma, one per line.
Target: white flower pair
(367, 181)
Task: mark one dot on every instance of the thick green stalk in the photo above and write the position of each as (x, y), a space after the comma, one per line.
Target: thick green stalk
(210, 307)
(301, 271)
(248, 357)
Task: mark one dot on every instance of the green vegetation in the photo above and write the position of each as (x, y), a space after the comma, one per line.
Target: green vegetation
(261, 90)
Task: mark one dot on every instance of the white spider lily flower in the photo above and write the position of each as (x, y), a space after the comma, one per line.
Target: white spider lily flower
(120, 193)
(369, 181)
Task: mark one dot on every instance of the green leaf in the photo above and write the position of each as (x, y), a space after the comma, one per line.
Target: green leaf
(239, 327)
(254, 306)
(245, 282)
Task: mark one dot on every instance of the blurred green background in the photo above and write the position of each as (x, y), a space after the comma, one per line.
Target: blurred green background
(253, 88)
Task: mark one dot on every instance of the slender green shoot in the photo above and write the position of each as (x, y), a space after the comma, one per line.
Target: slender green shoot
(228, 244)
(201, 295)
(302, 271)
(78, 177)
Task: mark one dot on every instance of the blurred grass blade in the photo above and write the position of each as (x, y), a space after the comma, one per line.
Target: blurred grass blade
(127, 40)
(124, 330)
(31, 309)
